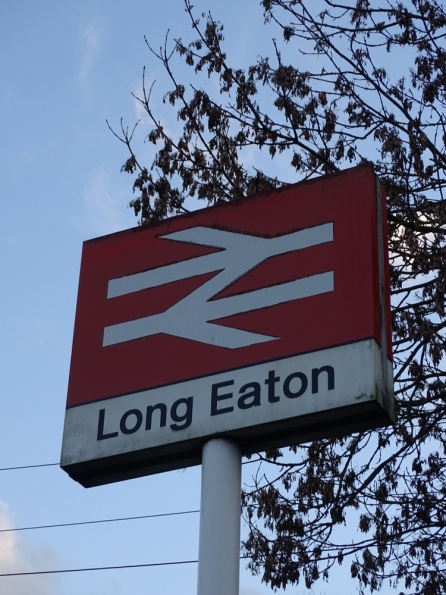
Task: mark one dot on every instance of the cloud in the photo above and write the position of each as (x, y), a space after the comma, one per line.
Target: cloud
(17, 555)
(90, 51)
(105, 204)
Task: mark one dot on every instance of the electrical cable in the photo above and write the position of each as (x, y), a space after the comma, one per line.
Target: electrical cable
(58, 464)
(65, 570)
(130, 518)
(99, 568)
(97, 521)
(29, 466)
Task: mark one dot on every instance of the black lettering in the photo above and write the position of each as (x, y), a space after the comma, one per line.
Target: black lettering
(186, 418)
(215, 398)
(270, 383)
(315, 378)
(101, 435)
(303, 385)
(162, 408)
(251, 398)
(138, 421)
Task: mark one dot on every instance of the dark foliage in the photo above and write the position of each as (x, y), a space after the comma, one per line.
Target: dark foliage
(378, 95)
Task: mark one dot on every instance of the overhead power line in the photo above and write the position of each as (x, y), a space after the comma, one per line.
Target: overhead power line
(99, 568)
(92, 569)
(129, 518)
(29, 466)
(58, 464)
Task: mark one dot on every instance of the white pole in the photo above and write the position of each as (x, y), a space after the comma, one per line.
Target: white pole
(219, 548)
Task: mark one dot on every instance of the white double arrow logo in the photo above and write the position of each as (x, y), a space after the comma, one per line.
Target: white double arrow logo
(193, 317)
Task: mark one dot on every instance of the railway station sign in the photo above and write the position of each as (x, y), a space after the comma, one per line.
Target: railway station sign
(265, 320)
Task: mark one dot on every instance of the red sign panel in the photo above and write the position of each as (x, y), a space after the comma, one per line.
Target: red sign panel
(340, 210)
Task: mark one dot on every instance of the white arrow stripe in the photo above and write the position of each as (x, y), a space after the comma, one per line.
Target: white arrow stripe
(241, 251)
(204, 332)
(270, 296)
(192, 322)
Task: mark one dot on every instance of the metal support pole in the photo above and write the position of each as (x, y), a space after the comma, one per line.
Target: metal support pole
(219, 548)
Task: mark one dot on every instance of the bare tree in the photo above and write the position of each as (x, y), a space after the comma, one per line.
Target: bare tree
(378, 95)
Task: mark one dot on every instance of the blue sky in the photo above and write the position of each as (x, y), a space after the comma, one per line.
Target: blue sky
(65, 68)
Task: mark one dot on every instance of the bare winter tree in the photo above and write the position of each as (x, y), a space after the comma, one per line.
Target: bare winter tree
(378, 95)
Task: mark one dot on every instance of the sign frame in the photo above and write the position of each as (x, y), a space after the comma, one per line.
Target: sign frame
(101, 444)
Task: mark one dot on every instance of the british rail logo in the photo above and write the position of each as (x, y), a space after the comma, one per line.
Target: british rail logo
(194, 316)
